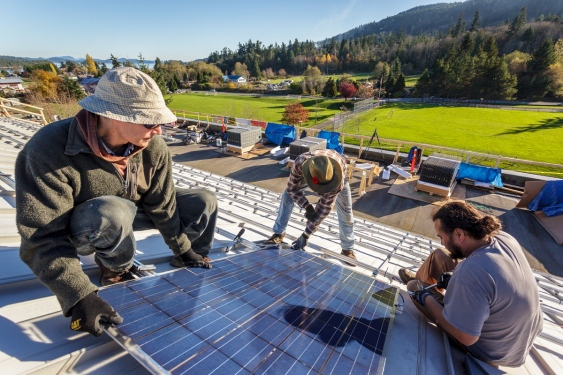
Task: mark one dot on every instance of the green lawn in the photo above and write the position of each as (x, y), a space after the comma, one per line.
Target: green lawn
(520, 134)
(266, 108)
(410, 81)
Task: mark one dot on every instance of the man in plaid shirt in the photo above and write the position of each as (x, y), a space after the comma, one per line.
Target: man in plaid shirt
(324, 172)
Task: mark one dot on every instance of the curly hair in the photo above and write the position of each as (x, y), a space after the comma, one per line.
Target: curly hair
(461, 215)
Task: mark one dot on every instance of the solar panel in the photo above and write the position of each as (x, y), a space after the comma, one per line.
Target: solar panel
(267, 311)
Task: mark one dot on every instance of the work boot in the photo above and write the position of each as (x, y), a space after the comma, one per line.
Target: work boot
(406, 275)
(275, 239)
(349, 254)
(110, 277)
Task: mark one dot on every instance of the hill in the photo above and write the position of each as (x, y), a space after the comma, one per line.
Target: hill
(439, 18)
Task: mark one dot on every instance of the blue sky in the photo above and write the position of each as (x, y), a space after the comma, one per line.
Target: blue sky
(178, 29)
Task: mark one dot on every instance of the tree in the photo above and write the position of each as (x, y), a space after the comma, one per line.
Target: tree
(347, 90)
(459, 27)
(141, 65)
(295, 114)
(240, 70)
(312, 80)
(536, 83)
(114, 62)
(70, 88)
(103, 69)
(46, 83)
(91, 65)
(492, 77)
(518, 22)
(366, 91)
(475, 24)
(70, 66)
(330, 90)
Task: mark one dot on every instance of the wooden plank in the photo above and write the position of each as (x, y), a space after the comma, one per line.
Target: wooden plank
(435, 189)
(238, 149)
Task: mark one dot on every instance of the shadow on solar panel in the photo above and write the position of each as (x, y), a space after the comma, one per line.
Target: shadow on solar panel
(249, 315)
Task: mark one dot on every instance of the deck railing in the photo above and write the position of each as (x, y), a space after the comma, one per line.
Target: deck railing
(9, 108)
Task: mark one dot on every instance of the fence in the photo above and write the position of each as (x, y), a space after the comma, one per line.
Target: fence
(9, 108)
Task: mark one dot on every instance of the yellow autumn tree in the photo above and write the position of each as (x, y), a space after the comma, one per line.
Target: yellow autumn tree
(46, 83)
(91, 65)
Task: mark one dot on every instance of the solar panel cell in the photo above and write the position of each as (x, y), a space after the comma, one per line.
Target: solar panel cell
(279, 311)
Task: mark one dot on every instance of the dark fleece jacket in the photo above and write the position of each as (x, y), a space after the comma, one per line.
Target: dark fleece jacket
(55, 171)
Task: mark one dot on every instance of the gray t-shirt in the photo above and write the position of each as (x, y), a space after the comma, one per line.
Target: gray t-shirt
(492, 294)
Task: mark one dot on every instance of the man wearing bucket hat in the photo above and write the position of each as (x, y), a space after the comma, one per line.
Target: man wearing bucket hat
(324, 172)
(85, 183)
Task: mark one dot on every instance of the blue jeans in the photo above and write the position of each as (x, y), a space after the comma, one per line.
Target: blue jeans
(343, 209)
(105, 225)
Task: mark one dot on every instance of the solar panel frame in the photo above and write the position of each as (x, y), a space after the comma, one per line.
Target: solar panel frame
(279, 311)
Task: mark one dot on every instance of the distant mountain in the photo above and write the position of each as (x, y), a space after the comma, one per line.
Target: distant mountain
(438, 18)
(60, 59)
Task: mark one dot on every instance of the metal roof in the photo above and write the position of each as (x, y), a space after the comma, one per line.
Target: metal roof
(41, 342)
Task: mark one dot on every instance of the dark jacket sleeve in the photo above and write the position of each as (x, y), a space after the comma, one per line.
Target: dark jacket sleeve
(44, 203)
(159, 202)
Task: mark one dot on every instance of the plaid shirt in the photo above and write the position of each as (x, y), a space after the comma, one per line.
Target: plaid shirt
(326, 201)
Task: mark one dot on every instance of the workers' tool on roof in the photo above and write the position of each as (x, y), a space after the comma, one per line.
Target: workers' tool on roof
(236, 240)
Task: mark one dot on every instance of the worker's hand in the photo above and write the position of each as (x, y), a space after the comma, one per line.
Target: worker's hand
(89, 312)
(301, 242)
(192, 259)
(310, 213)
(444, 280)
(420, 295)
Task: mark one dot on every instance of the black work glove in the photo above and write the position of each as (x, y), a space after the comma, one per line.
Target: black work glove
(444, 280)
(301, 242)
(192, 259)
(89, 312)
(310, 213)
(420, 295)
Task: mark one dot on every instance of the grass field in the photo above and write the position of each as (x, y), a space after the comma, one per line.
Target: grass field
(266, 108)
(520, 134)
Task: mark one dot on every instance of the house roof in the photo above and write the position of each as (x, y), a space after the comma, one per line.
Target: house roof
(89, 81)
(10, 80)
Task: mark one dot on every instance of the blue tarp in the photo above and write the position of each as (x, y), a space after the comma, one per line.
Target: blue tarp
(332, 140)
(549, 199)
(478, 173)
(280, 133)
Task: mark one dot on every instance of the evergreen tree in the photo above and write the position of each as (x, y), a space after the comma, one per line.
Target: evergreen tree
(518, 22)
(70, 88)
(114, 62)
(141, 65)
(422, 86)
(536, 83)
(398, 89)
(330, 90)
(475, 24)
(459, 27)
(492, 77)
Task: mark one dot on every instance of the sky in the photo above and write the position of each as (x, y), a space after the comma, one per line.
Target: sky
(178, 29)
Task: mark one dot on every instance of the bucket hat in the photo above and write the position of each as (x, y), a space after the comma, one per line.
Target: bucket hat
(322, 174)
(129, 95)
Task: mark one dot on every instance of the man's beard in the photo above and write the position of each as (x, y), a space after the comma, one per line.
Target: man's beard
(455, 251)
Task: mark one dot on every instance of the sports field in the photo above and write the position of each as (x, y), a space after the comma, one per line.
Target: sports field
(527, 135)
(536, 136)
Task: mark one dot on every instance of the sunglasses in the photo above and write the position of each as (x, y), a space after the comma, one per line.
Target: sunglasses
(151, 127)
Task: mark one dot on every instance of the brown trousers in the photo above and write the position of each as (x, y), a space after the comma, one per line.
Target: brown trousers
(438, 262)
